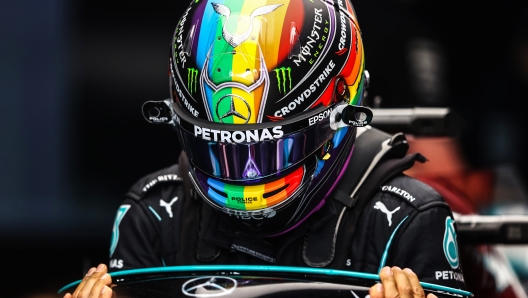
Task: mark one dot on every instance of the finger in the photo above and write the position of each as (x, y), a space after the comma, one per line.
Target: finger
(89, 281)
(83, 282)
(376, 291)
(431, 296)
(107, 292)
(388, 282)
(68, 295)
(415, 283)
(402, 283)
(100, 287)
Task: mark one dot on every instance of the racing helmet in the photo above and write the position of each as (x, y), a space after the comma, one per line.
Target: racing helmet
(265, 100)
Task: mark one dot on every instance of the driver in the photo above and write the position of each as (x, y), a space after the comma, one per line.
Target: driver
(279, 165)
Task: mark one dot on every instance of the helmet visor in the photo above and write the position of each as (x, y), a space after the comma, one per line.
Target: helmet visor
(252, 151)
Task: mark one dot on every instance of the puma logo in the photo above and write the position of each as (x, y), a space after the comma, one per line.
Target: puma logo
(234, 41)
(381, 207)
(168, 206)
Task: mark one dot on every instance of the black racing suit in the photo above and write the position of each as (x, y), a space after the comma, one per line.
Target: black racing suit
(405, 223)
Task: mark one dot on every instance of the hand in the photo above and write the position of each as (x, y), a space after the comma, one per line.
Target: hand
(396, 282)
(96, 284)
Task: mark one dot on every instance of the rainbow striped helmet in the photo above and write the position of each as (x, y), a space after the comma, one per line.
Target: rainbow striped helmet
(257, 88)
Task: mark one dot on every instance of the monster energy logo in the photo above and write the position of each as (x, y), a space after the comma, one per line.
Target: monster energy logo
(281, 77)
(192, 79)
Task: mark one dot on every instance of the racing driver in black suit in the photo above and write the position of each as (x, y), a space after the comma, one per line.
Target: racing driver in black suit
(279, 165)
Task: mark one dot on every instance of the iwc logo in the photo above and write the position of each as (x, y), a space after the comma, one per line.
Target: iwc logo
(209, 286)
(238, 107)
(450, 244)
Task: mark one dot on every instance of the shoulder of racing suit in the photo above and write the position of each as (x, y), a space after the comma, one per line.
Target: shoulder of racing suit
(148, 225)
(168, 175)
(407, 224)
(370, 226)
(412, 191)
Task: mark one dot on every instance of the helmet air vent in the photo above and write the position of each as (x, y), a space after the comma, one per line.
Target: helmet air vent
(295, 43)
(189, 40)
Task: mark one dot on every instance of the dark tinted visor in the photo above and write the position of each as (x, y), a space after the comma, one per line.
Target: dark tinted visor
(252, 151)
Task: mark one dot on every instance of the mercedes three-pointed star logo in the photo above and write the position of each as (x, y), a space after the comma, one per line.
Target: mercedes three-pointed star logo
(234, 110)
(209, 286)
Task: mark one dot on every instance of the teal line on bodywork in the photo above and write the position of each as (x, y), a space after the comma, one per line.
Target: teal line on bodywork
(302, 270)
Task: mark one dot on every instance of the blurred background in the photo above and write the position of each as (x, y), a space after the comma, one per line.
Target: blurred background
(74, 74)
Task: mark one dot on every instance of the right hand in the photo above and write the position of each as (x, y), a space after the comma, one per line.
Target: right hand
(96, 284)
(396, 282)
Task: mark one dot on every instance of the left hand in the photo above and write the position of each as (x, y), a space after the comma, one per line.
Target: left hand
(96, 284)
(396, 282)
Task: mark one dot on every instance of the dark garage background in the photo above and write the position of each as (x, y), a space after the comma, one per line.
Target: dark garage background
(74, 74)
